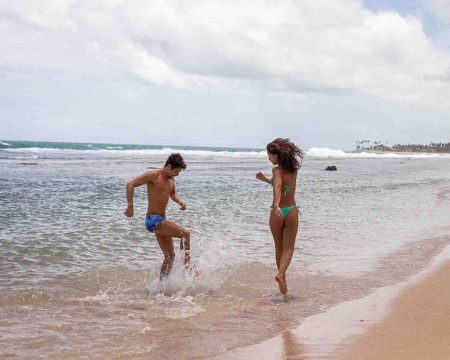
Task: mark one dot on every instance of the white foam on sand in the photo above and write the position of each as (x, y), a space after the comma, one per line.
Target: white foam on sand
(182, 308)
(146, 329)
(178, 286)
(175, 294)
(100, 297)
(177, 307)
(319, 335)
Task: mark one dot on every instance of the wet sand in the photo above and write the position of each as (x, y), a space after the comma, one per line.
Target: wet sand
(407, 320)
(418, 326)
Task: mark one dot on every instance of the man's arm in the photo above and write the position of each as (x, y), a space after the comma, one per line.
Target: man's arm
(137, 181)
(175, 197)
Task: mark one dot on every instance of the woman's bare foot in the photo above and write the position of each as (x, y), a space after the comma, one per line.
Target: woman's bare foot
(280, 279)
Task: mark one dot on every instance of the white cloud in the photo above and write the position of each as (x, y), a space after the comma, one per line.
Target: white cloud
(296, 46)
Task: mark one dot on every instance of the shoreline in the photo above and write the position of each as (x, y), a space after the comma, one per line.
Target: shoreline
(358, 328)
(417, 326)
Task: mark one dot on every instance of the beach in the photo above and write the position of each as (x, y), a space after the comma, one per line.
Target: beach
(79, 280)
(408, 320)
(417, 326)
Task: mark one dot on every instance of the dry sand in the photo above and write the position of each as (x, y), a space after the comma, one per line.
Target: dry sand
(417, 327)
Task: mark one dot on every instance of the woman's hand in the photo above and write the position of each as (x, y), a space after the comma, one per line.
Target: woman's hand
(260, 176)
(277, 212)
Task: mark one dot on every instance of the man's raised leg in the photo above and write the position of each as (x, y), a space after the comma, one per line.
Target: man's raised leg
(169, 229)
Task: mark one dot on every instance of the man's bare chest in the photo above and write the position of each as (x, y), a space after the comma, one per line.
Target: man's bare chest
(160, 188)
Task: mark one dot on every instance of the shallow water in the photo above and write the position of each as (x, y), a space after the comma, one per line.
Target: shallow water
(78, 279)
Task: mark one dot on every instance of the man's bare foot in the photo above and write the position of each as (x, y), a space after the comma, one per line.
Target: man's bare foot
(197, 274)
(281, 283)
(192, 269)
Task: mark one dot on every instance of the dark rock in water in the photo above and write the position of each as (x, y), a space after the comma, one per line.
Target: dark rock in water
(29, 163)
(331, 168)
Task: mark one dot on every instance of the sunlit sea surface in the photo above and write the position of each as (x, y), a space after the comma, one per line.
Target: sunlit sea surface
(80, 280)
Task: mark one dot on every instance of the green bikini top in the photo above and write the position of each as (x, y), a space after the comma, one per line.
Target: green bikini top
(286, 189)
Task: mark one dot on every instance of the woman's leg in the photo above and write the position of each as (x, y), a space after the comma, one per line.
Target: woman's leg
(276, 227)
(289, 235)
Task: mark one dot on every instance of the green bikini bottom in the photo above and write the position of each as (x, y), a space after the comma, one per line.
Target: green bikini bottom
(286, 210)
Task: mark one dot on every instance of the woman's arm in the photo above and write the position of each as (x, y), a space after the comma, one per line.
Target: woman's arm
(263, 178)
(277, 183)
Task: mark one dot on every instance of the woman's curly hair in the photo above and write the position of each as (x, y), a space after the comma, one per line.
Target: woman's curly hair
(289, 155)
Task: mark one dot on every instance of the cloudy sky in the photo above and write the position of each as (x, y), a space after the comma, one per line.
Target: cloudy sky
(225, 73)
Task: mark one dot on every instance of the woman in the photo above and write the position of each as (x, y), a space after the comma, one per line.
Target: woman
(286, 158)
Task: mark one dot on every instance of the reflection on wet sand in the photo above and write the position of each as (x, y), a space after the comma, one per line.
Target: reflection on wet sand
(292, 348)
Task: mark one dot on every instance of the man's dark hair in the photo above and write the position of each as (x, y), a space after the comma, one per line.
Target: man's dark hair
(175, 161)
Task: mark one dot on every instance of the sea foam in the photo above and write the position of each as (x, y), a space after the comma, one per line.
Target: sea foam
(315, 152)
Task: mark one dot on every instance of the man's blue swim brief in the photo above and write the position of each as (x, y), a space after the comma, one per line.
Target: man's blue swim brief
(153, 221)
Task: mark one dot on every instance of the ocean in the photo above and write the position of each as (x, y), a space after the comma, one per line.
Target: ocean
(80, 280)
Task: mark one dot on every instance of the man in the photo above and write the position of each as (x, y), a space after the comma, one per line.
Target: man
(161, 187)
